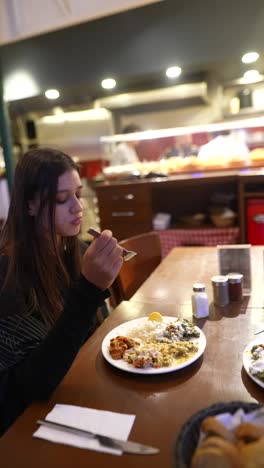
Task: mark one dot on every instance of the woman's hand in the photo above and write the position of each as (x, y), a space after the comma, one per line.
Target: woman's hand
(102, 260)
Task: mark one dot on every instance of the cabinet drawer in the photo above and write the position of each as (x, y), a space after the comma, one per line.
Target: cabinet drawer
(122, 196)
(129, 214)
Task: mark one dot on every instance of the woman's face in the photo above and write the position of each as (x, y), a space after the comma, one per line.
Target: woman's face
(68, 208)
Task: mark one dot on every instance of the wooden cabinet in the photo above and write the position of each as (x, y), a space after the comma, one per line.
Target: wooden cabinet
(128, 208)
(125, 209)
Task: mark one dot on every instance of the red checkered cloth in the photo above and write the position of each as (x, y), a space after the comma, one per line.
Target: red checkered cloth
(200, 236)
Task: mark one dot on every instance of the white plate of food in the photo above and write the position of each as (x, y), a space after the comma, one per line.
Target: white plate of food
(253, 360)
(149, 346)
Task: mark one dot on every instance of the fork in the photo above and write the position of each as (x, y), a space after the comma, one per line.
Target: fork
(127, 254)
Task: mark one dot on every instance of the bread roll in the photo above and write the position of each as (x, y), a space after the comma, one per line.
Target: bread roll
(257, 154)
(249, 432)
(212, 426)
(219, 442)
(215, 457)
(253, 454)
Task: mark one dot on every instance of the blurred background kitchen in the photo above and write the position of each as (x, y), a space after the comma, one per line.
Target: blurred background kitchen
(187, 75)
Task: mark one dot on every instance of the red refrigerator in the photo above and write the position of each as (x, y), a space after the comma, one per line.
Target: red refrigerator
(255, 221)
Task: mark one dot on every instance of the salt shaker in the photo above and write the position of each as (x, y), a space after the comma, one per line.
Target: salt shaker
(200, 306)
(220, 290)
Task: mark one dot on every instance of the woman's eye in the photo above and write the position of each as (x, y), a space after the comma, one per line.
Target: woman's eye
(62, 198)
(60, 201)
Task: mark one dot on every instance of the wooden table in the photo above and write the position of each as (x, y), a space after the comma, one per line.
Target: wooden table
(172, 280)
(161, 403)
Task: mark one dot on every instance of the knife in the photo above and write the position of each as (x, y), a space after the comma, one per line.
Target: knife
(110, 442)
(259, 331)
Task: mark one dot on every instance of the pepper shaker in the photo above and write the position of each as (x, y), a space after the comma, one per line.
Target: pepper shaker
(220, 290)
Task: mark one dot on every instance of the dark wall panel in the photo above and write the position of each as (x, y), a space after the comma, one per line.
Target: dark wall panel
(140, 41)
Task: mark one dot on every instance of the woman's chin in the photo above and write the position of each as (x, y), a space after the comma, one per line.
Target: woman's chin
(72, 231)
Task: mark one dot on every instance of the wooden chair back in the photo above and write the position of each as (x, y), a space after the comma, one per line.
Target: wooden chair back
(135, 271)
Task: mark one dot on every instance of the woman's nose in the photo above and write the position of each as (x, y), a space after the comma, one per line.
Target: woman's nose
(77, 205)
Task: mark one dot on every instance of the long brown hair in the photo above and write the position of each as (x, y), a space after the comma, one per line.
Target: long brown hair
(39, 269)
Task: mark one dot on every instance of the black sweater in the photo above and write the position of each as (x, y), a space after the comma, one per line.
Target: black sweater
(33, 358)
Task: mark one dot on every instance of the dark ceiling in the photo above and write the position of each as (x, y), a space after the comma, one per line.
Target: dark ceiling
(203, 37)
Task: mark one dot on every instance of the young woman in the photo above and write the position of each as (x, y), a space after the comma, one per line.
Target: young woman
(49, 293)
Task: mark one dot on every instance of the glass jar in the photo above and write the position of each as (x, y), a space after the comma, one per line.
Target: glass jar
(235, 287)
(200, 306)
(220, 290)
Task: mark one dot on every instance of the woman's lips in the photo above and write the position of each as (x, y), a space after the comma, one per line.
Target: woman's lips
(76, 221)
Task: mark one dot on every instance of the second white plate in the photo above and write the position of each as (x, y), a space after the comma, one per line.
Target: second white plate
(247, 360)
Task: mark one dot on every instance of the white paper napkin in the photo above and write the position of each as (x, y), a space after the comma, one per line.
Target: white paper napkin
(104, 423)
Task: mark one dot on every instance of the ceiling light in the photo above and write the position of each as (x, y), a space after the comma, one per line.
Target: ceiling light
(52, 94)
(173, 72)
(250, 57)
(251, 76)
(20, 85)
(108, 83)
